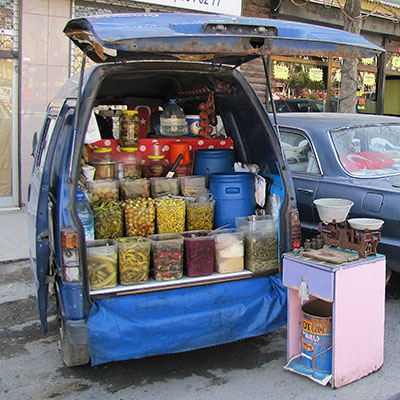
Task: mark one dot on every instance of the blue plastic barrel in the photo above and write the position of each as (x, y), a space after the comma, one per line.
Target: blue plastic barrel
(234, 196)
(213, 161)
(316, 342)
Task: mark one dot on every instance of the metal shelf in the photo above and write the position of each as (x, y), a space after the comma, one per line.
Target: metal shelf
(152, 286)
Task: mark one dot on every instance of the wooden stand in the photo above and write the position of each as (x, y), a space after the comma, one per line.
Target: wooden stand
(357, 291)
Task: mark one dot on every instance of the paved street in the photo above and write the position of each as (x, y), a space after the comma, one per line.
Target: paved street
(31, 367)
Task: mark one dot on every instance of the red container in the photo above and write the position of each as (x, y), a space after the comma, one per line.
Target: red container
(199, 253)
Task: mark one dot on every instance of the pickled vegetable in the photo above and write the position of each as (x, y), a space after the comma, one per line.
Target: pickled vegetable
(199, 253)
(133, 188)
(167, 257)
(134, 260)
(229, 252)
(171, 215)
(129, 128)
(104, 190)
(261, 252)
(102, 270)
(200, 215)
(108, 219)
(139, 217)
(164, 186)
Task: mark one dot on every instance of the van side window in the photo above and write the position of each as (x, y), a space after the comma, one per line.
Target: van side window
(299, 153)
(44, 141)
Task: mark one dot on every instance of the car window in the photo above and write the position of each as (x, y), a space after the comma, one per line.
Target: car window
(43, 143)
(299, 152)
(366, 151)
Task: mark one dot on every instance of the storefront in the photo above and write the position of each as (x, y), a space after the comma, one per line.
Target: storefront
(9, 191)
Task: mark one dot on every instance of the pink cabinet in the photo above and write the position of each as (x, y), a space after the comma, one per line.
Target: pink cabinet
(357, 291)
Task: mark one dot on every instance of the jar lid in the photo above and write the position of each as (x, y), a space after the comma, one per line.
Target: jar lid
(129, 149)
(102, 149)
(130, 112)
(155, 157)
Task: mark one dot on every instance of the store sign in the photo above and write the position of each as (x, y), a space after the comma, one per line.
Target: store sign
(396, 62)
(315, 74)
(232, 7)
(338, 76)
(369, 80)
(281, 72)
(368, 61)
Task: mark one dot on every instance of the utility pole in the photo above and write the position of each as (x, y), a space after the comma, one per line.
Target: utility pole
(349, 84)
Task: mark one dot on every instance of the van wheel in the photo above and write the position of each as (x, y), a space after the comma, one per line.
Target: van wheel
(72, 355)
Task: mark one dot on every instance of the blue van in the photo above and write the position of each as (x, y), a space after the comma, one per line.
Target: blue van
(148, 59)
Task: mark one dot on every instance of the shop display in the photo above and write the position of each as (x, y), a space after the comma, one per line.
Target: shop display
(130, 163)
(164, 186)
(170, 214)
(105, 189)
(229, 252)
(155, 165)
(104, 162)
(102, 264)
(167, 256)
(133, 188)
(199, 253)
(108, 219)
(133, 260)
(200, 215)
(139, 216)
(129, 128)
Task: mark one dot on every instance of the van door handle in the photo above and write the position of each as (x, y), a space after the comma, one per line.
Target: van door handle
(306, 191)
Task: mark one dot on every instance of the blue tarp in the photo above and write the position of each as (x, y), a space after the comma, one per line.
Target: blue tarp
(172, 321)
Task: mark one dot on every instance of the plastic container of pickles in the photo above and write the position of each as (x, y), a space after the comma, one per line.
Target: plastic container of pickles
(133, 260)
(229, 251)
(199, 253)
(103, 189)
(102, 263)
(190, 186)
(167, 256)
(134, 188)
(200, 215)
(164, 186)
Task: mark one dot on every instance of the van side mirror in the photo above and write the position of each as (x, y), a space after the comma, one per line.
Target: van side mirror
(34, 144)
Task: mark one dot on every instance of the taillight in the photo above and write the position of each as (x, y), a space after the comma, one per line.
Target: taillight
(295, 229)
(70, 256)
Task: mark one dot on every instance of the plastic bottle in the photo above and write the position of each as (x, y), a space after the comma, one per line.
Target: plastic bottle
(85, 214)
(173, 120)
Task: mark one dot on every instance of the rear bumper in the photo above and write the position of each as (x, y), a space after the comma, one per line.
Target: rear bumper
(77, 332)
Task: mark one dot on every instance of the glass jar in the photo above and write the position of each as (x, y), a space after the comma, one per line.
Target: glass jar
(129, 128)
(131, 162)
(155, 165)
(104, 162)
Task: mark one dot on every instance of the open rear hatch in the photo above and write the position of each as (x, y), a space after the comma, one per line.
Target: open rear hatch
(204, 37)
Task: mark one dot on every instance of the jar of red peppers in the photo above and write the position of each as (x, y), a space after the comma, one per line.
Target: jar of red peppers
(167, 256)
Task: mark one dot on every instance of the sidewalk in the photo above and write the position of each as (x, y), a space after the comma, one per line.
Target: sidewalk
(13, 235)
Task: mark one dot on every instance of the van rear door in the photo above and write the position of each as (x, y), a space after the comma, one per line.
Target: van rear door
(207, 37)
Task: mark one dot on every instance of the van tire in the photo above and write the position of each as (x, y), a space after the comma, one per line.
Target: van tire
(72, 355)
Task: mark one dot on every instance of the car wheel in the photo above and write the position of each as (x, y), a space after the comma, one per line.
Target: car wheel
(72, 355)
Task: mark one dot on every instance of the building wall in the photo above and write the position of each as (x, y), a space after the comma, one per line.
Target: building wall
(254, 70)
(44, 68)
